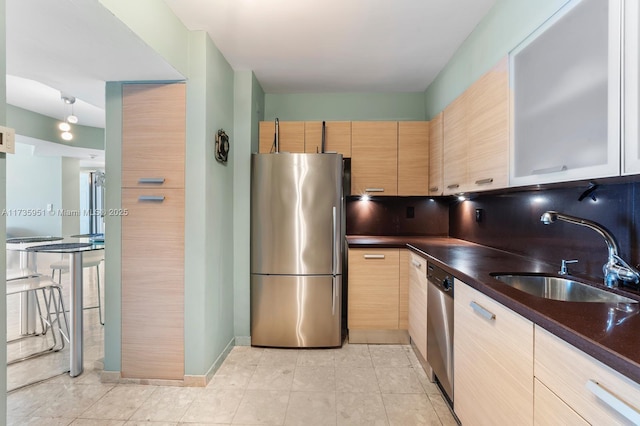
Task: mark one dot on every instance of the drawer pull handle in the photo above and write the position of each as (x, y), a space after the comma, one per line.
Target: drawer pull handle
(453, 186)
(374, 189)
(482, 311)
(484, 181)
(151, 180)
(374, 256)
(159, 198)
(433, 189)
(416, 263)
(547, 170)
(614, 402)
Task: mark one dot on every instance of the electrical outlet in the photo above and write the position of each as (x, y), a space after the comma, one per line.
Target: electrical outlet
(49, 207)
(411, 212)
(478, 215)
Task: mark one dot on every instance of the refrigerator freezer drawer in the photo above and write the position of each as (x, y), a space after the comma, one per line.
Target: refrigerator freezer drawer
(296, 311)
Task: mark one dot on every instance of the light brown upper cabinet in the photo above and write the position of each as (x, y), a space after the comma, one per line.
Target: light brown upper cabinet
(455, 145)
(488, 134)
(290, 136)
(153, 135)
(374, 157)
(337, 137)
(436, 139)
(476, 135)
(413, 158)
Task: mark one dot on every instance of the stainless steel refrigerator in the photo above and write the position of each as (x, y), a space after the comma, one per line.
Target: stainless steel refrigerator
(296, 249)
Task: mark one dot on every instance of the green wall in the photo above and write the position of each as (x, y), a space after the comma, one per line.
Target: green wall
(154, 22)
(38, 126)
(345, 106)
(209, 209)
(502, 29)
(3, 187)
(113, 226)
(248, 112)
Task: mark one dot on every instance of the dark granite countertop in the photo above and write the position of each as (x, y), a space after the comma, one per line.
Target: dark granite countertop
(599, 329)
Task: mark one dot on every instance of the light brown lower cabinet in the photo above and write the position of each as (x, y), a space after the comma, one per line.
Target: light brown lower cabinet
(493, 361)
(597, 393)
(417, 267)
(378, 294)
(153, 284)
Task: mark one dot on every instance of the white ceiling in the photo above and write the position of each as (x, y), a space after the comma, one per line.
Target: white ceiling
(293, 46)
(308, 46)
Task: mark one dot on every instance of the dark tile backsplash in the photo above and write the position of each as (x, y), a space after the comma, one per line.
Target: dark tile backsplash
(397, 216)
(511, 222)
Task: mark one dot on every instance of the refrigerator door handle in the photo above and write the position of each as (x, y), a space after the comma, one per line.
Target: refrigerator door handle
(334, 230)
(334, 294)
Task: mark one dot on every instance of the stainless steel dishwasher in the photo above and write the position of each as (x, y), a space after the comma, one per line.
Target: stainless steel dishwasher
(440, 327)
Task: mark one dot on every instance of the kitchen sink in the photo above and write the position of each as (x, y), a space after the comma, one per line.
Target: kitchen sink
(563, 289)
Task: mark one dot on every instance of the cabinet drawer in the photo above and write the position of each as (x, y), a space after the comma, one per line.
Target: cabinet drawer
(493, 361)
(153, 135)
(574, 376)
(374, 289)
(551, 410)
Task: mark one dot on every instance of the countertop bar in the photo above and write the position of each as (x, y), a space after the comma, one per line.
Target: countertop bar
(608, 335)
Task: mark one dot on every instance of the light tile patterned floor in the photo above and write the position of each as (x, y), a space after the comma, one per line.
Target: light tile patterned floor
(353, 385)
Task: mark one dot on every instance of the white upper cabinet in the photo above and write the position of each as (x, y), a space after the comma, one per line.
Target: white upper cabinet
(631, 85)
(565, 80)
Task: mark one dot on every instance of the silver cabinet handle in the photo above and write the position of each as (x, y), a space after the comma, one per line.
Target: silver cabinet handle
(374, 256)
(151, 180)
(482, 311)
(453, 186)
(159, 198)
(626, 410)
(374, 189)
(416, 263)
(484, 181)
(553, 169)
(433, 189)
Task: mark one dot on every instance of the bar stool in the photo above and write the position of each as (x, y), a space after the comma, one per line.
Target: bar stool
(54, 310)
(90, 259)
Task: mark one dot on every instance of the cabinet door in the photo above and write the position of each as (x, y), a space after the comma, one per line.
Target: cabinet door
(418, 302)
(631, 88)
(436, 155)
(493, 361)
(374, 157)
(153, 284)
(153, 135)
(455, 145)
(488, 131)
(551, 410)
(373, 289)
(413, 158)
(290, 136)
(566, 96)
(337, 137)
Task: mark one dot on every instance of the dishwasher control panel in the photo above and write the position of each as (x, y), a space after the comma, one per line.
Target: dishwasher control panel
(440, 278)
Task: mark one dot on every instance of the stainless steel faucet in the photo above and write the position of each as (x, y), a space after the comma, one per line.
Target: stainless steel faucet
(616, 268)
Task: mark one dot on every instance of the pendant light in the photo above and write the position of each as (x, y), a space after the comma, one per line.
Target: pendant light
(65, 126)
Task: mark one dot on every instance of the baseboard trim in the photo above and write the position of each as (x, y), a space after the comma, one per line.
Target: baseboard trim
(243, 340)
(189, 380)
(380, 337)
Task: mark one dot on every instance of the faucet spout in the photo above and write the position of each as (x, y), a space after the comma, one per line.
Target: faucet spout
(616, 268)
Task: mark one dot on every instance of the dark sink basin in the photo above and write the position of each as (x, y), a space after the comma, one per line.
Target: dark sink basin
(563, 289)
